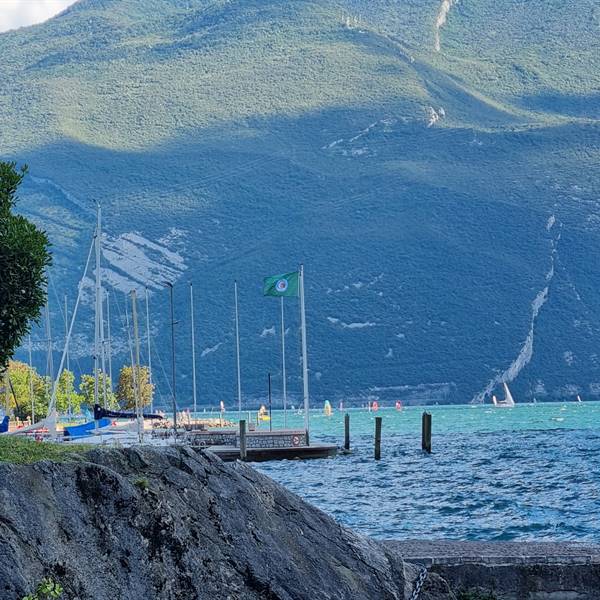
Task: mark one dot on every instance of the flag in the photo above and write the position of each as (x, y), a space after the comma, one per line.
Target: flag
(281, 285)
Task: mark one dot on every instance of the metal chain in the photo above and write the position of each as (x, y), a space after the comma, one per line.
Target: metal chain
(419, 583)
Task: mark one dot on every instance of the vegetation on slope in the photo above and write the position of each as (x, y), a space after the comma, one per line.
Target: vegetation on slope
(417, 186)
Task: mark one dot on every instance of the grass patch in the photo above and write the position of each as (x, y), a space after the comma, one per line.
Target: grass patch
(141, 483)
(24, 451)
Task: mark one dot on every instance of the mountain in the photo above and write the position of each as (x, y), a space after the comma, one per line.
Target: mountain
(432, 163)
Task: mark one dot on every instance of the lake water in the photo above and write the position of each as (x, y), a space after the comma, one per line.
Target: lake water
(526, 473)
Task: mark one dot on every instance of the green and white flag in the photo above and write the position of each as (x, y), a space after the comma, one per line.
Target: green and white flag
(281, 285)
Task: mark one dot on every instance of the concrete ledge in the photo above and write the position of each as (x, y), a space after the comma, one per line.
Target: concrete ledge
(509, 570)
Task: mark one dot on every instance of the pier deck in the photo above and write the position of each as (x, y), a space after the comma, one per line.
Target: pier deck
(231, 453)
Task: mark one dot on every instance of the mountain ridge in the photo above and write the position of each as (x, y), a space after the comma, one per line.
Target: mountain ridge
(233, 140)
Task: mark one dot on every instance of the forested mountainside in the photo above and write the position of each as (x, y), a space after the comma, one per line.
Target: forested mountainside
(434, 165)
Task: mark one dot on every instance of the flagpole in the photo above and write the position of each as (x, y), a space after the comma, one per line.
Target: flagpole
(237, 347)
(283, 367)
(304, 355)
(193, 347)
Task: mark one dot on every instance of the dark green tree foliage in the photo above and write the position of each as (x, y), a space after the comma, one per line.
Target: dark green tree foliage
(24, 256)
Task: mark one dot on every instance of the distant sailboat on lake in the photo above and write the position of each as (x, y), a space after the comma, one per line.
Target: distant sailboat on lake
(508, 401)
(327, 410)
(579, 398)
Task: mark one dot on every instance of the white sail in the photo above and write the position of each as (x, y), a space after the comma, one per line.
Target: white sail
(509, 400)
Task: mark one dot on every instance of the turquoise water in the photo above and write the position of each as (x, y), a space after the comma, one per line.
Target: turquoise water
(527, 473)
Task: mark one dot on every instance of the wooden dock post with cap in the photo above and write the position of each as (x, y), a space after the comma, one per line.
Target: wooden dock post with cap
(243, 441)
(347, 432)
(378, 421)
(426, 432)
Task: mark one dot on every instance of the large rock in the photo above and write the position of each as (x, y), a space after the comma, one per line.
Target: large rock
(173, 523)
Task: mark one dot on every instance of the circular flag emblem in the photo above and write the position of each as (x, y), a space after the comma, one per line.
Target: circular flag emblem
(282, 285)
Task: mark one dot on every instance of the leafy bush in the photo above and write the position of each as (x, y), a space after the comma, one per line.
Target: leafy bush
(47, 589)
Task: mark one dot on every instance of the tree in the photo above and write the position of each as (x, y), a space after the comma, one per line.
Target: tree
(125, 389)
(67, 399)
(17, 392)
(24, 256)
(86, 388)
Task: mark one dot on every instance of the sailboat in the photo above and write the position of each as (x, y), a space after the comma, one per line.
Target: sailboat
(327, 410)
(508, 401)
(578, 398)
(263, 413)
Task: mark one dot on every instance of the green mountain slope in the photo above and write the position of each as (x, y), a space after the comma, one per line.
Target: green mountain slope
(444, 201)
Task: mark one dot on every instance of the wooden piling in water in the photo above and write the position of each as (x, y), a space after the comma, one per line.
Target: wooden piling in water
(426, 432)
(378, 421)
(243, 444)
(347, 432)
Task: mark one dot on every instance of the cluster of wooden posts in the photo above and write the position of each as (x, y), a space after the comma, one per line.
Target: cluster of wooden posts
(425, 434)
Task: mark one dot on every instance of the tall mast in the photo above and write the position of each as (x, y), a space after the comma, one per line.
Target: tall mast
(170, 286)
(31, 384)
(109, 341)
(193, 346)
(128, 333)
(97, 304)
(52, 405)
(137, 384)
(67, 352)
(283, 367)
(49, 360)
(304, 354)
(101, 330)
(149, 353)
(237, 350)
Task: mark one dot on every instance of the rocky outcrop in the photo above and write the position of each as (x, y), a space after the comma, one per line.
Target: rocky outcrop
(174, 523)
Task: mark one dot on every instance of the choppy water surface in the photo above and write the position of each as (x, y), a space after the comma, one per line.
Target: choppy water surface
(530, 472)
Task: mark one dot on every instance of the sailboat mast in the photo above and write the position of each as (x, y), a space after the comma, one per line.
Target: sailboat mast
(31, 383)
(283, 367)
(49, 360)
(129, 343)
(109, 341)
(67, 353)
(52, 405)
(97, 305)
(193, 346)
(136, 369)
(149, 353)
(237, 350)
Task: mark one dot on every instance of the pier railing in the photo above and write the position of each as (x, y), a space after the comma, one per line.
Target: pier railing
(283, 438)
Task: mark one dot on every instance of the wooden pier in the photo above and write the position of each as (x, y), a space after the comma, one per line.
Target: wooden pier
(282, 444)
(231, 453)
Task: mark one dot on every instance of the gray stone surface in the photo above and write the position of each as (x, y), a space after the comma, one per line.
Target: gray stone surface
(179, 524)
(509, 570)
(175, 523)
